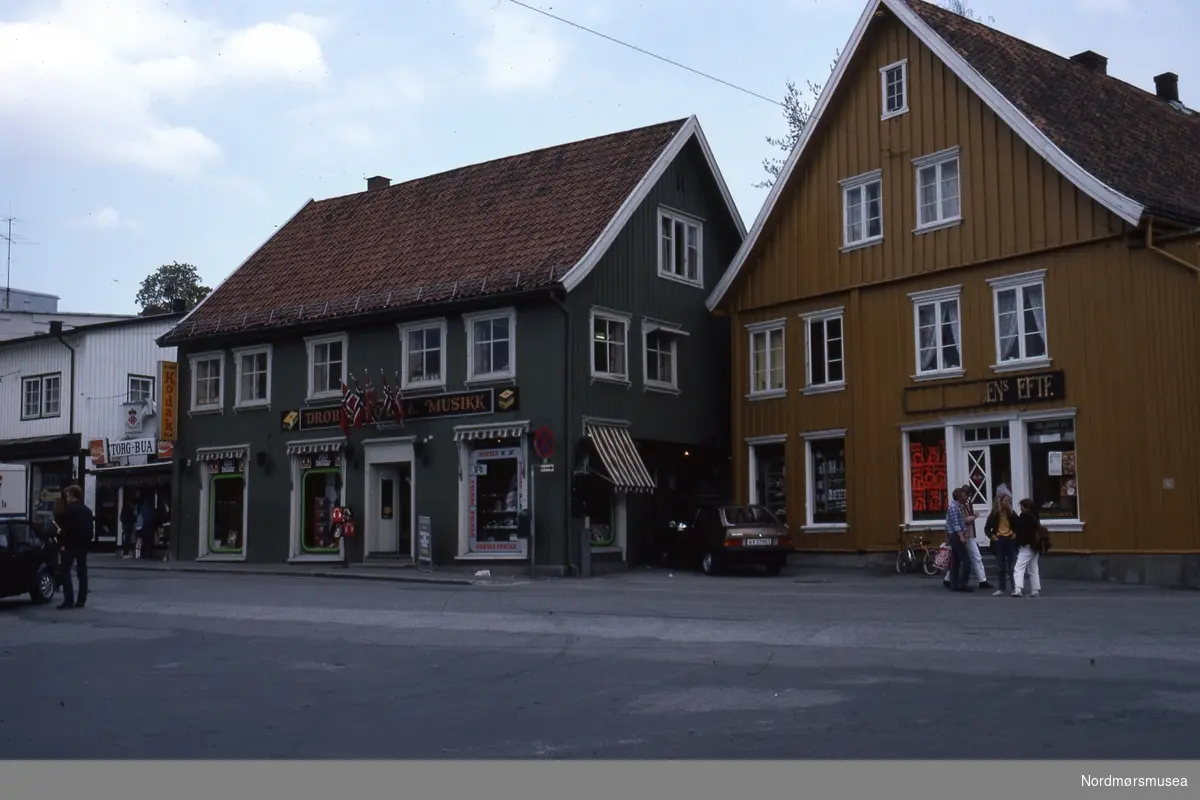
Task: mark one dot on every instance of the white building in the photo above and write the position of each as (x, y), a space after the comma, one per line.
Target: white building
(25, 313)
(87, 399)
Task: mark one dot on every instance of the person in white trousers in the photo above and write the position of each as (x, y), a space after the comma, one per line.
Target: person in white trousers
(1028, 551)
(977, 571)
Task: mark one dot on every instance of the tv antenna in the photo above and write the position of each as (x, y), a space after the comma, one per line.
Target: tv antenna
(10, 238)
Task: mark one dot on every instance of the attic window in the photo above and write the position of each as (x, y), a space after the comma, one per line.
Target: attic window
(894, 82)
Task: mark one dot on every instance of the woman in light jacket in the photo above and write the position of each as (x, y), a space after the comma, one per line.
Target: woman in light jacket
(1028, 548)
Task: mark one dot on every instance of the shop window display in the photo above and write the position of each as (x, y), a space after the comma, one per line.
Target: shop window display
(927, 474)
(497, 493)
(321, 493)
(1052, 474)
(771, 478)
(226, 507)
(829, 481)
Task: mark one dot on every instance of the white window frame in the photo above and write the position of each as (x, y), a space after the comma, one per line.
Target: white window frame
(823, 318)
(1021, 430)
(611, 317)
(405, 329)
(671, 334)
(860, 183)
(311, 344)
(936, 298)
(810, 491)
(938, 160)
(41, 381)
(204, 551)
(1020, 283)
(469, 321)
(130, 379)
(901, 65)
(667, 271)
(765, 328)
(195, 360)
(239, 401)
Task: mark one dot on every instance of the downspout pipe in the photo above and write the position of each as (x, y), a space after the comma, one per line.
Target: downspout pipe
(569, 433)
(56, 330)
(1169, 256)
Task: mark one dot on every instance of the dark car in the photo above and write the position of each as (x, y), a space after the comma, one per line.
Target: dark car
(26, 562)
(731, 535)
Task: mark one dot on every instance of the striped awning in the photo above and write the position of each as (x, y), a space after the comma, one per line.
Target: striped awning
(220, 454)
(620, 457)
(302, 448)
(497, 432)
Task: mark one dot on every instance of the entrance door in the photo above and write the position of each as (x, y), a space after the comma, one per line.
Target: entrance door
(387, 511)
(979, 479)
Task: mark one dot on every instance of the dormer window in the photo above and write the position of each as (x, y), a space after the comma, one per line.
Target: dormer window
(894, 80)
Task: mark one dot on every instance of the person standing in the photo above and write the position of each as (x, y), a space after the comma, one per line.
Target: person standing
(1004, 488)
(128, 523)
(977, 570)
(1001, 529)
(76, 539)
(956, 530)
(1027, 527)
(145, 526)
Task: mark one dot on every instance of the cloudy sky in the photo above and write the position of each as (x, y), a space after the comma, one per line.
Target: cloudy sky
(138, 132)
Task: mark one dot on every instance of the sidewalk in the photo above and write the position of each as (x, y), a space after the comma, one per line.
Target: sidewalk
(398, 573)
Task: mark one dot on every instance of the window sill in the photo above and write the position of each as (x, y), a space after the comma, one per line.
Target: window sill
(662, 388)
(221, 557)
(484, 380)
(937, 226)
(667, 276)
(612, 380)
(823, 389)
(850, 248)
(254, 406)
(825, 527)
(773, 394)
(893, 114)
(923, 525)
(199, 412)
(1022, 366)
(490, 557)
(1064, 525)
(425, 386)
(324, 397)
(945, 375)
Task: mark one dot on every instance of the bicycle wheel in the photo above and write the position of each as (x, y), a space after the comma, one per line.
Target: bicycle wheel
(928, 564)
(903, 561)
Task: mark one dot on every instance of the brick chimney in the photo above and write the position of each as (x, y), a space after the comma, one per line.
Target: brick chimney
(1092, 60)
(178, 305)
(1166, 86)
(378, 182)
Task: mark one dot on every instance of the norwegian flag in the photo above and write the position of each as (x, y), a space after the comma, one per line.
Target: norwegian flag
(368, 398)
(348, 410)
(390, 404)
(359, 411)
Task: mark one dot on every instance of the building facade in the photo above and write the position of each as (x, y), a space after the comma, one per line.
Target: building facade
(24, 313)
(959, 279)
(524, 335)
(81, 405)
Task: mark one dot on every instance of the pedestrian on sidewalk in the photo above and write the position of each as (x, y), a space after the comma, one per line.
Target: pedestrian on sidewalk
(128, 524)
(969, 515)
(1030, 545)
(145, 526)
(77, 530)
(956, 530)
(1001, 530)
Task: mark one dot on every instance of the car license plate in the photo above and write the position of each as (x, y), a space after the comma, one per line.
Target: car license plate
(758, 542)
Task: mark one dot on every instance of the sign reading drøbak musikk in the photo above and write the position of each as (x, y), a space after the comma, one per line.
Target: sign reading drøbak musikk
(452, 404)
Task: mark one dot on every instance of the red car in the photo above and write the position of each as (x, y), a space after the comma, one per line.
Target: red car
(732, 535)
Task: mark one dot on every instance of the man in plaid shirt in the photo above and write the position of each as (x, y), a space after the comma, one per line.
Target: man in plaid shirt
(956, 532)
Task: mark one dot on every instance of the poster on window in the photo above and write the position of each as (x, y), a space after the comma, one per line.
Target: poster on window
(927, 474)
(496, 489)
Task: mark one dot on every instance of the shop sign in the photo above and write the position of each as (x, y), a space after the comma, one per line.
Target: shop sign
(462, 404)
(132, 447)
(543, 442)
(228, 466)
(1042, 388)
(98, 451)
(424, 543)
(168, 382)
(307, 419)
(133, 419)
(166, 449)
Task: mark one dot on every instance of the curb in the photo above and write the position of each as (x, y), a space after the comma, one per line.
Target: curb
(297, 574)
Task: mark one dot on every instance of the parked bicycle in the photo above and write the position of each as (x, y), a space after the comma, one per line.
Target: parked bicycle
(916, 552)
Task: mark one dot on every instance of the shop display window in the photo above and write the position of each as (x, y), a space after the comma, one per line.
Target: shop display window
(1052, 474)
(497, 494)
(828, 470)
(226, 507)
(321, 492)
(770, 480)
(928, 487)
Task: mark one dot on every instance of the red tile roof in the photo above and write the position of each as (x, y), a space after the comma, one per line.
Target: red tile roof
(1128, 138)
(517, 223)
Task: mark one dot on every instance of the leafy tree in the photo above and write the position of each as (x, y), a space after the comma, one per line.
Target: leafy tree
(169, 282)
(797, 109)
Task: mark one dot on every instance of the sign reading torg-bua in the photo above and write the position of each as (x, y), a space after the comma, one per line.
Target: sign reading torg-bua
(473, 402)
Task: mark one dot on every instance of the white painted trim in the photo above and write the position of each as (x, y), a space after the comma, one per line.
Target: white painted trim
(642, 190)
(752, 445)
(810, 490)
(204, 551)
(238, 403)
(1020, 283)
(1057, 413)
(936, 297)
(883, 71)
(665, 213)
(224, 280)
(861, 182)
(929, 159)
(295, 530)
(937, 160)
(195, 359)
(754, 441)
(469, 321)
(385, 452)
(404, 328)
(672, 334)
(1124, 207)
(310, 344)
(766, 327)
(824, 316)
(624, 320)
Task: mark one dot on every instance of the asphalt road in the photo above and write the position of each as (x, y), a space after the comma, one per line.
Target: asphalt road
(644, 665)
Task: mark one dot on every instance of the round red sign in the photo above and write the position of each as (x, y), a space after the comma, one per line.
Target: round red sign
(543, 442)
